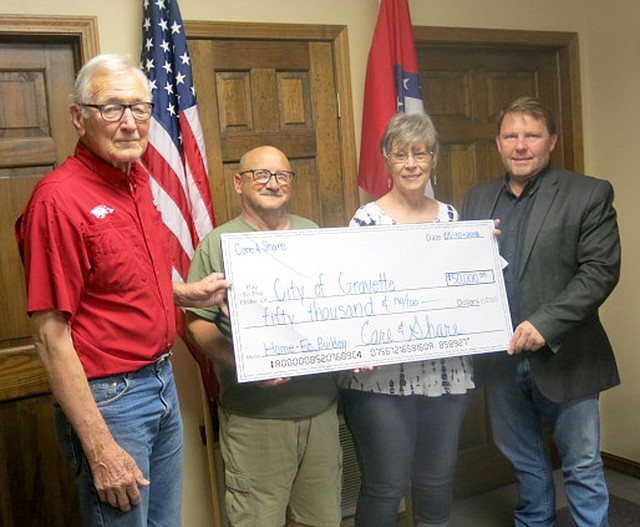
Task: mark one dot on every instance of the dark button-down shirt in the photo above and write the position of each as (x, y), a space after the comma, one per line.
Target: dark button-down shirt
(513, 212)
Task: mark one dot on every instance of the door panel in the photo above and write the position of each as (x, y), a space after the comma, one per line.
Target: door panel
(467, 77)
(36, 80)
(36, 485)
(255, 90)
(31, 75)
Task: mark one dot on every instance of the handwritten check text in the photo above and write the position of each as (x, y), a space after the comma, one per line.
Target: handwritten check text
(320, 300)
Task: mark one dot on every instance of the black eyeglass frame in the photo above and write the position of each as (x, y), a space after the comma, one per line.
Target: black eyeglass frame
(283, 177)
(123, 107)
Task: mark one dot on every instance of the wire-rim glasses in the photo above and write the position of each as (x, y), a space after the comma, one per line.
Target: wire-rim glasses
(262, 176)
(401, 158)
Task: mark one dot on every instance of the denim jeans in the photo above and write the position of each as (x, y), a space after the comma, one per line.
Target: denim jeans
(142, 412)
(401, 440)
(517, 408)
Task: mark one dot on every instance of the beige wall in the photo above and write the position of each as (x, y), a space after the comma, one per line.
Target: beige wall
(612, 111)
(610, 68)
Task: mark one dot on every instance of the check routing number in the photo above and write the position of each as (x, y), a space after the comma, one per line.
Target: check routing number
(319, 300)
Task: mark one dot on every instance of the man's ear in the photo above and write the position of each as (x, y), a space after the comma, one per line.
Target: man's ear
(237, 183)
(554, 140)
(75, 112)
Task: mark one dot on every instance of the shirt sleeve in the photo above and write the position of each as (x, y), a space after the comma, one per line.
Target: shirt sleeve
(206, 260)
(55, 259)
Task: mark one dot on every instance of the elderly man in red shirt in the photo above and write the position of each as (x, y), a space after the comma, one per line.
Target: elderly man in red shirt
(101, 301)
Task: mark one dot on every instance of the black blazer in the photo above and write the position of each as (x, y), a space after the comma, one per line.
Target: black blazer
(570, 265)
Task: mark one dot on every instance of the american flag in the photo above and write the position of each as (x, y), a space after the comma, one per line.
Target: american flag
(175, 157)
(392, 85)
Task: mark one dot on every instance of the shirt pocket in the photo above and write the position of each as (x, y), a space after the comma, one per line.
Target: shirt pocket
(115, 255)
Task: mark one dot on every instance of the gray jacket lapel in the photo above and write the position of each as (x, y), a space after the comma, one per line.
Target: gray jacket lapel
(547, 194)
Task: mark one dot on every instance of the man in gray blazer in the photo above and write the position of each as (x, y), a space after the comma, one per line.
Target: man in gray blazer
(560, 239)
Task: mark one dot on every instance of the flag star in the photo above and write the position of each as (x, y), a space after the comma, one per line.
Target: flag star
(180, 137)
(185, 58)
(163, 24)
(165, 46)
(153, 85)
(149, 44)
(160, 4)
(145, 3)
(175, 27)
(168, 88)
(167, 67)
(147, 23)
(180, 78)
(193, 91)
(405, 84)
(149, 65)
(171, 109)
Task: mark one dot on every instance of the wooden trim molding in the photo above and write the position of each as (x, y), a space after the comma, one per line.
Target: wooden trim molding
(82, 28)
(345, 118)
(247, 30)
(497, 37)
(21, 374)
(621, 465)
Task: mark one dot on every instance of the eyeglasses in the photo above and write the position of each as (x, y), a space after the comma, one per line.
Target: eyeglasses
(402, 157)
(262, 176)
(113, 112)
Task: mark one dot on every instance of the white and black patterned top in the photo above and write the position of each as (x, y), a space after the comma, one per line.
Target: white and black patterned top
(430, 377)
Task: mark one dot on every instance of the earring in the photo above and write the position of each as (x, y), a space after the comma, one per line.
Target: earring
(389, 183)
(434, 179)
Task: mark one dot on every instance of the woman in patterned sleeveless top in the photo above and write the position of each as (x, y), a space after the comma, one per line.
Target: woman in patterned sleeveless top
(405, 418)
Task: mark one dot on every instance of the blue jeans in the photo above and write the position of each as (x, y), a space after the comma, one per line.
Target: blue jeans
(517, 408)
(141, 410)
(401, 440)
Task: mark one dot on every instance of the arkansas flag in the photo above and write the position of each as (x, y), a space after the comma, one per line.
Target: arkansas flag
(392, 85)
(175, 157)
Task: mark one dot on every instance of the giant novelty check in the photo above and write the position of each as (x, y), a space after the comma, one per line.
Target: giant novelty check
(320, 300)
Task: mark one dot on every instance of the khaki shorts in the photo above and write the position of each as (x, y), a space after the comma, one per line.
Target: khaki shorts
(279, 469)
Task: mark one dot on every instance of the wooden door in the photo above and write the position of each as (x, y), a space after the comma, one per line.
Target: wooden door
(36, 79)
(283, 85)
(467, 77)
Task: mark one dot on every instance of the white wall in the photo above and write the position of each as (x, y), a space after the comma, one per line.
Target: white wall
(610, 69)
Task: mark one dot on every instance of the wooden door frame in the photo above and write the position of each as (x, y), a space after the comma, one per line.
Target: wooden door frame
(23, 374)
(81, 31)
(335, 34)
(564, 44)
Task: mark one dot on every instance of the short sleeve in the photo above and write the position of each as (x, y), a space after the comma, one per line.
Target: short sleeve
(55, 259)
(206, 260)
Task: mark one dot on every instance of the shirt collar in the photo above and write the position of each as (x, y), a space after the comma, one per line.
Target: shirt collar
(532, 185)
(108, 172)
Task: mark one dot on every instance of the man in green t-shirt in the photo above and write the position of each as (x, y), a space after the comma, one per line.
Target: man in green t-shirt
(279, 438)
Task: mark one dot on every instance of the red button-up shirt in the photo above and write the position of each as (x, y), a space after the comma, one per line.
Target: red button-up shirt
(95, 247)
